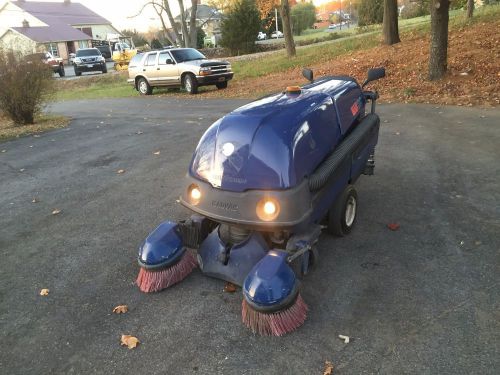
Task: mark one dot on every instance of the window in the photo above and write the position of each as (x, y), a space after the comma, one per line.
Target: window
(164, 56)
(52, 48)
(151, 59)
(82, 44)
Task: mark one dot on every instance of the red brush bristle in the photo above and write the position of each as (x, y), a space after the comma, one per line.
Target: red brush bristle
(155, 280)
(277, 323)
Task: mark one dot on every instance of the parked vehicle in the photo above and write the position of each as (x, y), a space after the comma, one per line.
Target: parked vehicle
(261, 36)
(277, 34)
(177, 67)
(55, 63)
(89, 60)
(105, 51)
(123, 51)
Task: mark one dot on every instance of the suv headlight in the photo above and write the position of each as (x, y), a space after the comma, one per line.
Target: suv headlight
(101, 58)
(228, 67)
(77, 60)
(205, 71)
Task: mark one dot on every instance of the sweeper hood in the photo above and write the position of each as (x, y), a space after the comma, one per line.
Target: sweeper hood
(275, 142)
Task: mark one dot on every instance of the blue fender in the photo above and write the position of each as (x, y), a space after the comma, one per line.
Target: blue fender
(271, 285)
(162, 247)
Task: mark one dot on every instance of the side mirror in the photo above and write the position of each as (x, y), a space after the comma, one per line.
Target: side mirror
(170, 62)
(373, 75)
(308, 74)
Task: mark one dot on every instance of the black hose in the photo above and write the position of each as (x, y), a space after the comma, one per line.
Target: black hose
(319, 178)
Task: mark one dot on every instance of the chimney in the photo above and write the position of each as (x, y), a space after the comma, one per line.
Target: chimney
(26, 23)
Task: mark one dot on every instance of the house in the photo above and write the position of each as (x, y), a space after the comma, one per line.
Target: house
(208, 18)
(58, 27)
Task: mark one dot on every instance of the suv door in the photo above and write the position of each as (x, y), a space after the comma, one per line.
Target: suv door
(149, 68)
(168, 71)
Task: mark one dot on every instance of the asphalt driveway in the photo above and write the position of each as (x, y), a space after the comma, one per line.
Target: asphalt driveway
(420, 300)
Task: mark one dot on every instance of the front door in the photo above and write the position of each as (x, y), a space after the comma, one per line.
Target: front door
(149, 68)
(167, 69)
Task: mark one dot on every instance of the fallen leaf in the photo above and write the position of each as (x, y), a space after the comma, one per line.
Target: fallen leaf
(156, 153)
(34, 200)
(56, 211)
(120, 171)
(139, 133)
(44, 292)
(4, 150)
(345, 338)
(129, 341)
(393, 226)
(120, 309)
(328, 368)
(22, 170)
(229, 288)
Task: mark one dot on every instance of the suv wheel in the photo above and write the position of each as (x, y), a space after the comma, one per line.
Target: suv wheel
(104, 68)
(221, 85)
(190, 84)
(61, 71)
(77, 72)
(143, 87)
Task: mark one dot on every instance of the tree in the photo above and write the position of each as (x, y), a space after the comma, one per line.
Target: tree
(390, 29)
(240, 27)
(370, 12)
(303, 17)
(287, 28)
(200, 38)
(438, 60)
(470, 8)
(137, 38)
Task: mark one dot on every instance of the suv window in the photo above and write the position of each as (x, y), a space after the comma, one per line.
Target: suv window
(151, 59)
(88, 52)
(188, 54)
(164, 56)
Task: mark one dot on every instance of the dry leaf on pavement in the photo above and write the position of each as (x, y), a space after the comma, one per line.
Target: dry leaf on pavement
(229, 288)
(120, 309)
(129, 341)
(56, 211)
(120, 171)
(34, 200)
(44, 292)
(156, 153)
(393, 226)
(328, 368)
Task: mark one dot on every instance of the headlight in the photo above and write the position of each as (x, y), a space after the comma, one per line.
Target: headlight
(228, 67)
(268, 209)
(205, 71)
(102, 58)
(194, 194)
(77, 60)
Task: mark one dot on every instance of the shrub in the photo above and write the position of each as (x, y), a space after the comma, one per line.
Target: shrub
(26, 86)
(240, 27)
(303, 17)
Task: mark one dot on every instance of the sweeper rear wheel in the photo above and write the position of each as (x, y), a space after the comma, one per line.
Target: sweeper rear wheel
(342, 215)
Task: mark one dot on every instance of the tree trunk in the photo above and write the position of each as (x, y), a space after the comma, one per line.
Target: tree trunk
(185, 34)
(166, 7)
(192, 24)
(287, 28)
(438, 59)
(391, 32)
(165, 30)
(470, 8)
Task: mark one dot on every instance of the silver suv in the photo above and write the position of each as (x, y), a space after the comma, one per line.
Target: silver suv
(177, 67)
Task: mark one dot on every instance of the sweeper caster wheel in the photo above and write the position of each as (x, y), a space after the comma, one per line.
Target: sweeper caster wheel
(342, 215)
(302, 265)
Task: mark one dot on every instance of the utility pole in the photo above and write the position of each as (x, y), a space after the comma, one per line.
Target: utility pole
(340, 15)
(276, 18)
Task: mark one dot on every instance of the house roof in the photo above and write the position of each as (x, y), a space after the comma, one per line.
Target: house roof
(53, 33)
(69, 13)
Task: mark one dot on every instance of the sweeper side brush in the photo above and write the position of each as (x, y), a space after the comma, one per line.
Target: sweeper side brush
(163, 259)
(263, 183)
(272, 304)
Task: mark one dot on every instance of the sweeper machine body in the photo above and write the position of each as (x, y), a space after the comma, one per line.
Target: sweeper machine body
(264, 181)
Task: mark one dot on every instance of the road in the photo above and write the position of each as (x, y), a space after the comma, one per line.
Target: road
(420, 300)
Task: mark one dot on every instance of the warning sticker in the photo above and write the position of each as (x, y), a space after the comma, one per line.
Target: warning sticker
(355, 109)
